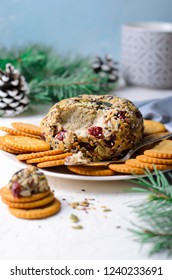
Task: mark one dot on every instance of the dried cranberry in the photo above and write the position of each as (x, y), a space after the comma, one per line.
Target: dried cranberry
(60, 135)
(96, 131)
(16, 189)
(121, 115)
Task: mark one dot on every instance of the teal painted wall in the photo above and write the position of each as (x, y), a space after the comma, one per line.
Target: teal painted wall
(79, 26)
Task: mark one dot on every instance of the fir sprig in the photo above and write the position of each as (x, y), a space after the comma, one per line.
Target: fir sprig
(155, 214)
(52, 77)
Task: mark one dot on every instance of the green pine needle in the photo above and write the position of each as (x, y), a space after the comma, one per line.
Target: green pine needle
(154, 215)
(52, 77)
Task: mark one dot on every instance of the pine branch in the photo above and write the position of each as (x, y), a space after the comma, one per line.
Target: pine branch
(155, 214)
(161, 242)
(66, 86)
(52, 77)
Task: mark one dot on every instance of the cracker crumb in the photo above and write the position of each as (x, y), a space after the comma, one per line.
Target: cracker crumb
(74, 204)
(84, 203)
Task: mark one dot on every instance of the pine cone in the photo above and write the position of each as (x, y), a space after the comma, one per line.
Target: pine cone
(106, 68)
(13, 92)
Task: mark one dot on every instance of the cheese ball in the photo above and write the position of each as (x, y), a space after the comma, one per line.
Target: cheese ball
(28, 181)
(102, 127)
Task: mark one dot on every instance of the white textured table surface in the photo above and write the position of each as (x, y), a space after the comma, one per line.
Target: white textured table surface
(104, 235)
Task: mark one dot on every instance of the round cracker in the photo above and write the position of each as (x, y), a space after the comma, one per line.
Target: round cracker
(6, 149)
(154, 136)
(150, 166)
(27, 127)
(151, 127)
(38, 213)
(6, 145)
(124, 168)
(156, 153)
(7, 195)
(17, 132)
(90, 171)
(97, 163)
(160, 150)
(48, 158)
(144, 158)
(32, 204)
(26, 143)
(50, 163)
(39, 154)
(164, 145)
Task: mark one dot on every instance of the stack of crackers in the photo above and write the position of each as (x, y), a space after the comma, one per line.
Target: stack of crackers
(36, 206)
(159, 156)
(25, 141)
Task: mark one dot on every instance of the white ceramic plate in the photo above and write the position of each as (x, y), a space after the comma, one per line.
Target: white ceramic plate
(64, 173)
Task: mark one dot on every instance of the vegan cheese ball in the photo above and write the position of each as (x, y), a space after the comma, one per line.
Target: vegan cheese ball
(102, 127)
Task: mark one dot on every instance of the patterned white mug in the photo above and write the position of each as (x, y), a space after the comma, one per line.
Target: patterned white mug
(146, 54)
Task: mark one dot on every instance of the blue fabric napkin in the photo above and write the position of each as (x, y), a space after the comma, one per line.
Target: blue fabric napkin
(159, 110)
